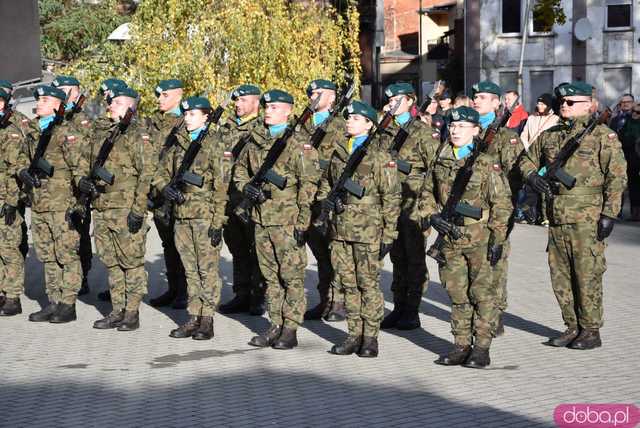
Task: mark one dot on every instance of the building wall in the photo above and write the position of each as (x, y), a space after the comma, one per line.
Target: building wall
(595, 61)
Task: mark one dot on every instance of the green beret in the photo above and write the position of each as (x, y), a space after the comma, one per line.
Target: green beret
(243, 90)
(6, 85)
(465, 114)
(193, 103)
(362, 108)
(399, 88)
(4, 95)
(487, 87)
(122, 92)
(320, 84)
(49, 91)
(65, 81)
(111, 84)
(276, 96)
(574, 88)
(165, 85)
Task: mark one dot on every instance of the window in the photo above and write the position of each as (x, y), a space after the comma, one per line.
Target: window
(540, 82)
(616, 81)
(618, 14)
(511, 16)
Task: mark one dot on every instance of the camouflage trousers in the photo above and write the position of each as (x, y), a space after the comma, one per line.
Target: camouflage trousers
(577, 263)
(123, 254)
(467, 276)
(500, 273)
(11, 261)
(239, 238)
(57, 246)
(172, 261)
(328, 285)
(201, 261)
(282, 264)
(359, 272)
(410, 275)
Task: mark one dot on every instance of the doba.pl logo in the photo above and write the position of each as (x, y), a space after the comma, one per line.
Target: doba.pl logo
(589, 415)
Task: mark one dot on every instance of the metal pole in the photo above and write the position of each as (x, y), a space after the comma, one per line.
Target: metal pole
(525, 33)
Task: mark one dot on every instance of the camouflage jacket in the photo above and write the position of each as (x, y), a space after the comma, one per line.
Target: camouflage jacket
(419, 151)
(130, 161)
(211, 163)
(335, 133)
(10, 153)
(507, 149)
(298, 164)
(63, 153)
(159, 125)
(487, 189)
(373, 218)
(598, 166)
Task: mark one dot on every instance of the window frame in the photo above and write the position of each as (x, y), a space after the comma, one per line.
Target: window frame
(512, 34)
(618, 3)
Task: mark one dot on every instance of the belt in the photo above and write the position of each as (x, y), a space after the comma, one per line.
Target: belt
(278, 194)
(365, 200)
(581, 190)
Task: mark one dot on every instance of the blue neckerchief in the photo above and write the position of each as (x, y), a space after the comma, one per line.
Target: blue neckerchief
(195, 133)
(44, 122)
(464, 151)
(357, 141)
(277, 130)
(403, 118)
(69, 107)
(320, 117)
(175, 111)
(1, 113)
(487, 119)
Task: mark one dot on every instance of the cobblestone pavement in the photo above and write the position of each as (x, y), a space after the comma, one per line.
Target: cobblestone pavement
(74, 376)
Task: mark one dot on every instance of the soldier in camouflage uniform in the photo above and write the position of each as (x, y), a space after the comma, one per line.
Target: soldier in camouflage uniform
(506, 148)
(161, 124)
(11, 261)
(18, 118)
(81, 122)
(467, 271)
(281, 218)
(55, 239)
(362, 230)
(581, 218)
(248, 285)
(331, 306)
(120, 211)
(199, 216)
(410, 275)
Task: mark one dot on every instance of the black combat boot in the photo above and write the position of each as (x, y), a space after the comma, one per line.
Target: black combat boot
(205, 331)
(84, 289)
(564, 339)
(187, 329)
(267, 338)
(256, 303)
(288, 339)
(44, 314)
(500, 328)
(409, 319)
(337, 313)
(369, 348)
(130, 322)
(11, 307)
(589, 338)
(351, 345)
(3, 299)
(112, 320)
(479, 358)
(104, 296)
(236, 305)
(455, 357)
(63, 314)
(391, 320)
(318, 311)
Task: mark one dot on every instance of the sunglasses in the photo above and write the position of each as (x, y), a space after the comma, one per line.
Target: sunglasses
(570, 103)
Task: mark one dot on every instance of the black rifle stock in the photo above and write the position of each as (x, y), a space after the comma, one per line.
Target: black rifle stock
(453, 206)
(344, 182)
(266, 174)
(39, 165)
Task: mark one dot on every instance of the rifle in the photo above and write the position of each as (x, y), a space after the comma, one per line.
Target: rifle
(76, 108)
(343, 101)
(39, 164)
(453, 206)
(344, 182)
(554, 172)
(266, 174)
(184, 175)
(403, 133)
(98, 171)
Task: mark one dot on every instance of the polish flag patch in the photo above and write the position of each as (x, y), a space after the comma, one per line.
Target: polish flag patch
(496, 167)
(435, 135)
(71, 138)
(145, 138)
(514, 141)
(391, 164)
(84, 123)
(227, 154)
(308, 147)
(15, 135)
(612, 136)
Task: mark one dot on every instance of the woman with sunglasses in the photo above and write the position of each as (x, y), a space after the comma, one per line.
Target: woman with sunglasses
(582, 216)
(630, 137)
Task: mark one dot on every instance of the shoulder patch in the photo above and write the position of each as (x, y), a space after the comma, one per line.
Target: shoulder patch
(513, 141)
(85, 123)
(437, 123)
(391, 164)
(145, 138)
(70, 138)
(556, 128)
(308, 147)
(24, 121)
(15, 135)
(227, 154)
(496, 167)
(612, 136)
(435, 135)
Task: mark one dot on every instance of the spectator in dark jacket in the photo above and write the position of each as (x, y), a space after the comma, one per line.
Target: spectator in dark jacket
(630, 138)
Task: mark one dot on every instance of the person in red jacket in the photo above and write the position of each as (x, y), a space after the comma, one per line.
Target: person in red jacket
(519, 116)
